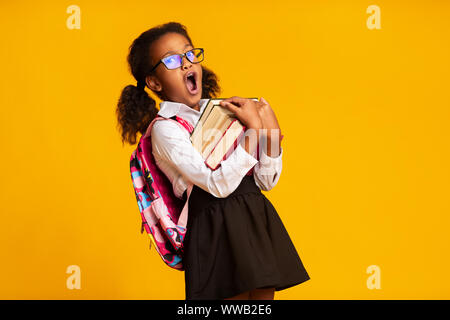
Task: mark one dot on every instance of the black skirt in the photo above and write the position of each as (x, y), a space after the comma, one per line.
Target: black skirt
(237, 244)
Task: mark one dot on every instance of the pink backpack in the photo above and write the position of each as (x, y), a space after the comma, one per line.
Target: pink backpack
(164, 216)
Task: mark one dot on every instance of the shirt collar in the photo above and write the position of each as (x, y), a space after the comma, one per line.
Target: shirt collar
(169, 109)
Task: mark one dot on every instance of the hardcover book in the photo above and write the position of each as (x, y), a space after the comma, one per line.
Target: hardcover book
(217, 133)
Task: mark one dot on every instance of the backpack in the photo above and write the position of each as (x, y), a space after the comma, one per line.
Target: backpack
(164, 216)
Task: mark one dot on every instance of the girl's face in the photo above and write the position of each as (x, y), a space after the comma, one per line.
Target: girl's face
(173, 83)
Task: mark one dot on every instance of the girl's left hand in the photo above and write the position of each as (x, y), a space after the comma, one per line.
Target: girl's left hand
(268, 117)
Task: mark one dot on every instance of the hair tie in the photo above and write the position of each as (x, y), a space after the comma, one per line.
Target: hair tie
(140, 85)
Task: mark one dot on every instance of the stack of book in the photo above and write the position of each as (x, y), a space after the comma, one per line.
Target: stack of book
(217, 133)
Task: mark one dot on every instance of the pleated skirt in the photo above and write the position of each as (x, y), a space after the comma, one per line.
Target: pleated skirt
(237, 244)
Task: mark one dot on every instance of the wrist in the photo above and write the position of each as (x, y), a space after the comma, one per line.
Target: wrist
(271, 132)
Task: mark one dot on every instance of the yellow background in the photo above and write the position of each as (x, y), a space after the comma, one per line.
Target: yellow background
(365, 114)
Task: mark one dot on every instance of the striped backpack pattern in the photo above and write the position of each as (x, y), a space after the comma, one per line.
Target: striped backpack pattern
(164, 216)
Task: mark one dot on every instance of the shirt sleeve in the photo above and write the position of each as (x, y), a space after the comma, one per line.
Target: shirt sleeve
(268, 170)
(171, 144)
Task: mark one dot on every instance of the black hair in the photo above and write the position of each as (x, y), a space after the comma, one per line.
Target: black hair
(136, 109)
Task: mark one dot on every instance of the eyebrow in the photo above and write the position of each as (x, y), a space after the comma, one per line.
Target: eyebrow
(187, 45)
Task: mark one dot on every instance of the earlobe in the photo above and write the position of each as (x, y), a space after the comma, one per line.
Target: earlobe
(153, 83)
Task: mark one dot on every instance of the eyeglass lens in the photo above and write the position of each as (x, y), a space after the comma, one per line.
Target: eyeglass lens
(175, 61)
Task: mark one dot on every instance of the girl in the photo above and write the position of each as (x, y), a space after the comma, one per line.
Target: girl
(236, 246)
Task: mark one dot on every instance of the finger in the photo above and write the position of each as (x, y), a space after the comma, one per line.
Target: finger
(263, 100)
(226, 102)
(236, 100)
(229, 106)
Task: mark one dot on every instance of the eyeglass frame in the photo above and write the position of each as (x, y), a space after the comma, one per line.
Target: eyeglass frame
(181, 55)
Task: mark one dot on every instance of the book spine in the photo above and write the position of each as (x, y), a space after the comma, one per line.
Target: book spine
(221, 137)
(233, 147)
(230, 150)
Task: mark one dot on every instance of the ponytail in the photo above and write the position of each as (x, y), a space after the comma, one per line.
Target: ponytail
(135, 110)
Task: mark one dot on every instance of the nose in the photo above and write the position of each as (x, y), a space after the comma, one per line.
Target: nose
(183, 65)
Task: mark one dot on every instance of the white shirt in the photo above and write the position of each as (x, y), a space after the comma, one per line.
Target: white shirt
(183, 164)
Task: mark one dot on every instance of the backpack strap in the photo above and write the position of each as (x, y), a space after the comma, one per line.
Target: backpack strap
(180, 121)
(186, 124)
(182, 219)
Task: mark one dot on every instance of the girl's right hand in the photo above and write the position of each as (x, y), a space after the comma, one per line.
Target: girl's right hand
(246, 110)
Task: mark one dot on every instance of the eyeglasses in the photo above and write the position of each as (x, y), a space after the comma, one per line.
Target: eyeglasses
(176, 60)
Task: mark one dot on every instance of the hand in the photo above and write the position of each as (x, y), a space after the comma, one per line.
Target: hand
(246, 110)
(268, 117)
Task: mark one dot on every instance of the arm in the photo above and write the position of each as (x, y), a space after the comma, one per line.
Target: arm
(171, 144)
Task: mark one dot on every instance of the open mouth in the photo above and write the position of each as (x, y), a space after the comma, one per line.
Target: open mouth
(192, 82)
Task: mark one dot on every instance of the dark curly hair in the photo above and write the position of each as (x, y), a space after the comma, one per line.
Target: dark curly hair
(136, 109)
